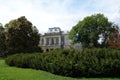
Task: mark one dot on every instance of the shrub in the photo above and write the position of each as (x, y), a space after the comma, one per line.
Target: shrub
(85, 63)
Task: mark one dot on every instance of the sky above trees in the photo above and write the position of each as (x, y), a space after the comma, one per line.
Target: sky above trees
(57, 13)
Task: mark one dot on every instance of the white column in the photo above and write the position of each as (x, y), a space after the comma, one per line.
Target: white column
(54, 41)
(59, 40)
(44, 41)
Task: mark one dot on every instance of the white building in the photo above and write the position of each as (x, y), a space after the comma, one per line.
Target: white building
(54, 39)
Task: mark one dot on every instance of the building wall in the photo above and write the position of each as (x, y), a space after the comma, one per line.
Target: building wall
(54, 38)
(48, 42)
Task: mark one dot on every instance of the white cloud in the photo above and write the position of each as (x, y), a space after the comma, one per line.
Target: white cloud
(109, 8)
(61, 13)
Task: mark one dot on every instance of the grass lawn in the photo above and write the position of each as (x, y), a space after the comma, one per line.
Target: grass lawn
(13, 73)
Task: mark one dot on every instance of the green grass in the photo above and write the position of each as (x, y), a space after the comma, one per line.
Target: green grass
(13, 73)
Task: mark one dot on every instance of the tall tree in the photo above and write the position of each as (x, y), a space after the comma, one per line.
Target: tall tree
(89, 29)
(2, 40)
(21, 36)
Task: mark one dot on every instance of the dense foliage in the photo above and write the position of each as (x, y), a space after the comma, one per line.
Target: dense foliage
(85, 63)
(13, 73)
(2, 40)
(90, 30)
(21, 36)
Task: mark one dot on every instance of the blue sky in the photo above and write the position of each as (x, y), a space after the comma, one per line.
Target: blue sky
(57, 13)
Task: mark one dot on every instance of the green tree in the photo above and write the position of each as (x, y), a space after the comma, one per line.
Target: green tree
(2, 40)
(88, 31)
(21, 36)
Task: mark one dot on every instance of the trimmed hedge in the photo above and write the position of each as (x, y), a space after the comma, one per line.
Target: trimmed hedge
(85, 63)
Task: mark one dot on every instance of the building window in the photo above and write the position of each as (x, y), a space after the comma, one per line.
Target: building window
(56, 30)
(52, 42)
(57, 40)
(42, 42)
(47, 41)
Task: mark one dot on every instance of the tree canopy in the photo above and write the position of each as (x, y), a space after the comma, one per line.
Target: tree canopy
(2, 39)
(21, 36)
(88, 31)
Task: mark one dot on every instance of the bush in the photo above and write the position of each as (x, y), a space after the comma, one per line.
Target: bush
(85, 63)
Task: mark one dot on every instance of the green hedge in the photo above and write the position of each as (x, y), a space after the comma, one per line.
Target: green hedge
(85, 63)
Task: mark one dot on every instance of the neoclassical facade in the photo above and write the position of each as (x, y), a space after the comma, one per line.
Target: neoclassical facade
(54, 39)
